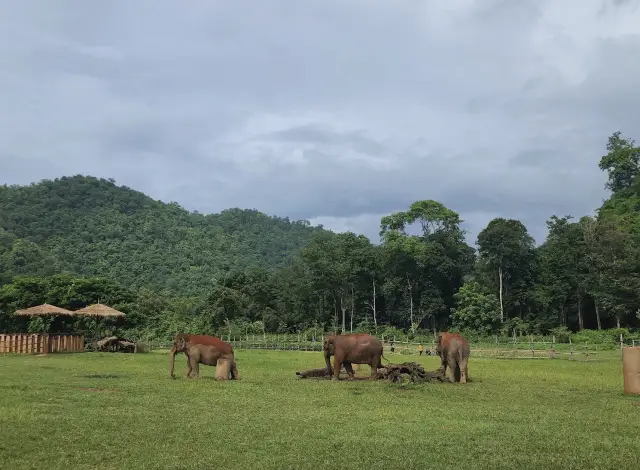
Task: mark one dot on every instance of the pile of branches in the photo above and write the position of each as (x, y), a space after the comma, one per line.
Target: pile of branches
(115, 344)
(411, 372)
(395, 373)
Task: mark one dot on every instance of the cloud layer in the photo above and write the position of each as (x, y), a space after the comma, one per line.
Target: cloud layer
(335, 111)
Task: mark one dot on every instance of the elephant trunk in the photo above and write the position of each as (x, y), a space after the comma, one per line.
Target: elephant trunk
(173, 360)
(327, 358)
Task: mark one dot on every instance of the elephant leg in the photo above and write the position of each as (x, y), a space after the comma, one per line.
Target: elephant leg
(464, 372)
(337, 364)
(375, 364)
(443, 364)
(189, 368)
(452, 364)
(194, 364)
(349, 369)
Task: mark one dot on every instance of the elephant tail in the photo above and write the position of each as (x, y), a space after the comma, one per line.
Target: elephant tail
(382, 356)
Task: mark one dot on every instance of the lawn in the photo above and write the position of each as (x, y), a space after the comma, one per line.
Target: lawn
(108, 411)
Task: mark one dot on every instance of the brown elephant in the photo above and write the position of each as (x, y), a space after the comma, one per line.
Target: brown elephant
(453, 349)
(356, 348)
(208, 350)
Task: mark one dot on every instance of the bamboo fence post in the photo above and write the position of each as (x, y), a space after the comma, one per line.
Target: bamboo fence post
(531, 343)
(571, 349)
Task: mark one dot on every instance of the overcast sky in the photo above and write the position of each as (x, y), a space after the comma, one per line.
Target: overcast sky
(336, 111)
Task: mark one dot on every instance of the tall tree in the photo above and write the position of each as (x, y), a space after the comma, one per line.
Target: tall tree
(506, 248)
(622, 162)
(428, 267)
(564, 270)
(617, 285)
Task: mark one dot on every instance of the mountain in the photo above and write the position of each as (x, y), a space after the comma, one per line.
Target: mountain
(89, 226)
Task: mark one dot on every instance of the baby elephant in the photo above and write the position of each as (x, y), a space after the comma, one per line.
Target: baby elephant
(453, 350)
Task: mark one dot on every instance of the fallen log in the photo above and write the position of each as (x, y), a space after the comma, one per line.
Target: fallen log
(315, 373)
(411, 372)
(321, 372)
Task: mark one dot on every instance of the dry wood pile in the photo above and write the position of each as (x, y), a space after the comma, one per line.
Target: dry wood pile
(115, 344)
(409, 372)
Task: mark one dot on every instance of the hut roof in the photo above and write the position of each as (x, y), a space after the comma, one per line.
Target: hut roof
(99, 310)
(44, 309)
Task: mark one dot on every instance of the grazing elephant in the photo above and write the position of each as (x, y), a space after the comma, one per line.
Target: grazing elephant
(357, 348)
(208, 350)
(453, 350)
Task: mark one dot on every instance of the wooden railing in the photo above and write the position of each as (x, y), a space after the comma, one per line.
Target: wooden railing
(20, 343)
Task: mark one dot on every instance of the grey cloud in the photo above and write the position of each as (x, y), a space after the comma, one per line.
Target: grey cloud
(335, 111)
(317, 135)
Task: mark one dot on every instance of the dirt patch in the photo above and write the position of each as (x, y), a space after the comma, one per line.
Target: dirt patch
(97, 389)
(100, 376)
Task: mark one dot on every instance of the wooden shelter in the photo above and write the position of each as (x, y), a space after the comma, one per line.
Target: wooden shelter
(41, 343)
(99, 310)
(44, 309)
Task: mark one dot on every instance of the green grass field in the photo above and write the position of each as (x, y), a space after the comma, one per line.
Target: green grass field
(108, 411)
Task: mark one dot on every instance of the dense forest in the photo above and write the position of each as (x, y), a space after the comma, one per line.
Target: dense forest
(79, 240)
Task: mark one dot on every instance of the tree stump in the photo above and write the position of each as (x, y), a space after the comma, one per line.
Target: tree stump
(631, 370)
(223, 369)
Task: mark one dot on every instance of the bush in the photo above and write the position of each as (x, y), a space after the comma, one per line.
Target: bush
(562, 334)
(389, 333)
(609, 337)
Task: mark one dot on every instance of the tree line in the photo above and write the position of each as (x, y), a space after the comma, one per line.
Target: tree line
(422, 276)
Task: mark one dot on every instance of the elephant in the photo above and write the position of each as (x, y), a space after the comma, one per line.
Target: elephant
(453, 349)
(356, 348)
(208, 350)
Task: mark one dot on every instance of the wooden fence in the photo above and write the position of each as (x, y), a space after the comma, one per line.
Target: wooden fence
(498, 350)
(40, 343)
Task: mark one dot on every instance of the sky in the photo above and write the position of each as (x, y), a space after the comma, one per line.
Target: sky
(334, 111)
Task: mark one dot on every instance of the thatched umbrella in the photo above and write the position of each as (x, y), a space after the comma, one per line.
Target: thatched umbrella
(44, 309)
(99, 310)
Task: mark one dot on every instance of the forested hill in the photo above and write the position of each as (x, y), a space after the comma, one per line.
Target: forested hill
(89, 226)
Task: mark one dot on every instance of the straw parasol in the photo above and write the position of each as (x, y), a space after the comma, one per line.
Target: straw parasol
(99, 310)
(44, 309)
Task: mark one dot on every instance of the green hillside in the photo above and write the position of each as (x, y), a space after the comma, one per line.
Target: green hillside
(89, 226)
